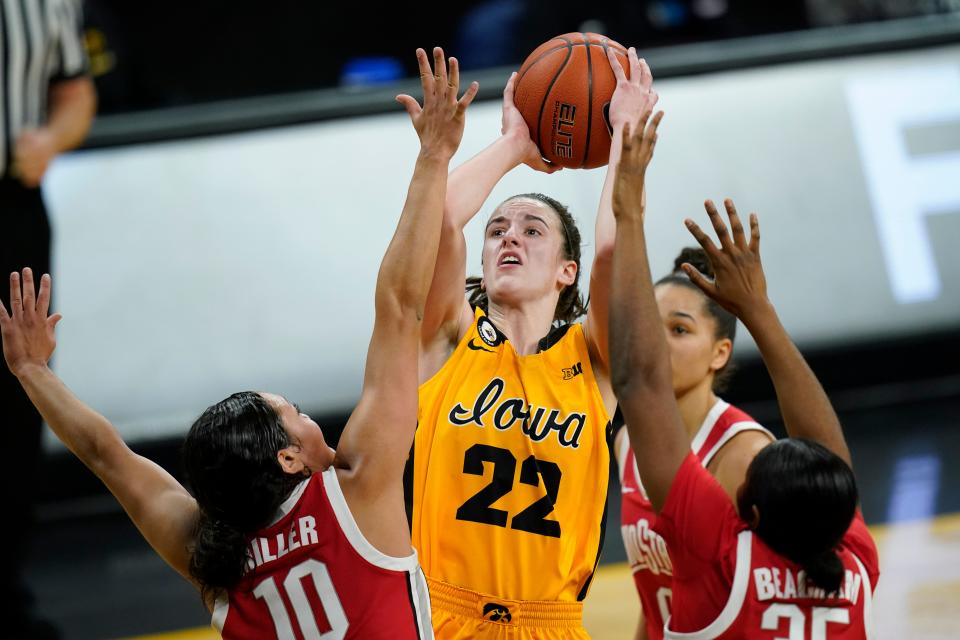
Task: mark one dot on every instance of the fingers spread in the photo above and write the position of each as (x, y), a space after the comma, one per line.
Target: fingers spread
(453, 82)
(646, 76)
(16, 304)
(652, 129)
(439, 72)
(410, 104)
(636, 73)
(29, 293)
(426, 75)
(736, 228)
(754, 233)
(43, 300)
(468, 96)
(616, 66)
(697, 278)
(718, 225)
(701, 237)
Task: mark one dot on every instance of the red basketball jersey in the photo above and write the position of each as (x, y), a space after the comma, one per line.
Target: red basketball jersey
(312, 574)
(728, 584)
(646, 550)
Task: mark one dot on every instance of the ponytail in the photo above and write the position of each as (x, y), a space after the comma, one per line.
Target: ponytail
(219, 556)
(825, 570)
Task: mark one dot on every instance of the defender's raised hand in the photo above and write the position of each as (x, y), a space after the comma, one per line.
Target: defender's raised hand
(439, 122)
(28, 334)
(638, 146)
(633, 96)
(739, 286)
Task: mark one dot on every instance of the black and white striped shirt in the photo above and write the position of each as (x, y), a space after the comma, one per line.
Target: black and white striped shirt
(40, 43)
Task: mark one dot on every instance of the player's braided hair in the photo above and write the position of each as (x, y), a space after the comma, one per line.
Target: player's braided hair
(806, 496)
(570, 306)
(230, 457)
(725, 321)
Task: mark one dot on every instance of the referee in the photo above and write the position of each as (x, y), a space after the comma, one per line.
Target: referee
(47, 102)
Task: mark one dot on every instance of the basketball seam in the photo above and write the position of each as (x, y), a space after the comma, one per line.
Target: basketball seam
(566, 45)
(586, 146)
(546, 95)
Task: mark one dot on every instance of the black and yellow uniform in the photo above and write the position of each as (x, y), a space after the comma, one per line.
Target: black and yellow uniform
(510, 485)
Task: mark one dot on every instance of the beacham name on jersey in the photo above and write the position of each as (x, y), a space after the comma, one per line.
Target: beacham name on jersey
(780, 583)
(302, 532)
(535, 422)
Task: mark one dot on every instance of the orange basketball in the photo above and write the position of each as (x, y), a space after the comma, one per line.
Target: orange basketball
(563, 91)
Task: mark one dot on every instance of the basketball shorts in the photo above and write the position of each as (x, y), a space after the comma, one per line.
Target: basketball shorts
(461, 614)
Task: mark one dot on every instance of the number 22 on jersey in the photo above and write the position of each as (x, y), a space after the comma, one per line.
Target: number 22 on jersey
(533, 518)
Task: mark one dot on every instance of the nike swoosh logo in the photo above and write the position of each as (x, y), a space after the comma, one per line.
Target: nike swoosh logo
(476, 348)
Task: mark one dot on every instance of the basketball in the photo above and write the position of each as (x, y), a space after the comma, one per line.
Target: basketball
(563, 91)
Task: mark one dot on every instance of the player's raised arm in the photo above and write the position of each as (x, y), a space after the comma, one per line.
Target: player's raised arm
(447, 311)
(740, 287)
(380, 431)
(160, 507)
(639, 357)
(632, 97)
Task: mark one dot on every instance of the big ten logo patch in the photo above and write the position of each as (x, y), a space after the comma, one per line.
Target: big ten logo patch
(563, 118)
(569, 373)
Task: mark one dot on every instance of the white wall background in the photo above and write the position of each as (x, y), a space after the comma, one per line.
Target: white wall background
(189, 270)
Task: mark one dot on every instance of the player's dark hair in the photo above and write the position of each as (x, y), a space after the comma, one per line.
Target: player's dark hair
(725, 321)
(570, 306)
(806, 496)
(230, 458)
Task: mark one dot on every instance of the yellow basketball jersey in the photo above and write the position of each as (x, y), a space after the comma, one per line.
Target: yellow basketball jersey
(511, 467)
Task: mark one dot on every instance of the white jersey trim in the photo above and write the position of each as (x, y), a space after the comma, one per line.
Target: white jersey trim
(734, 430)
(867, 598)
(348, 525)
(420, 595)
(287, 505)
(624, 438)
(738, 593)
(703, 433)
(707, 426)
(220, 610)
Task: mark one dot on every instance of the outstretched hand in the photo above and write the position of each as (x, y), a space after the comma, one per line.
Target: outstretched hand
(633, 96)
(439, 122)
(27, 331)
(638, 146)
(739, 285)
